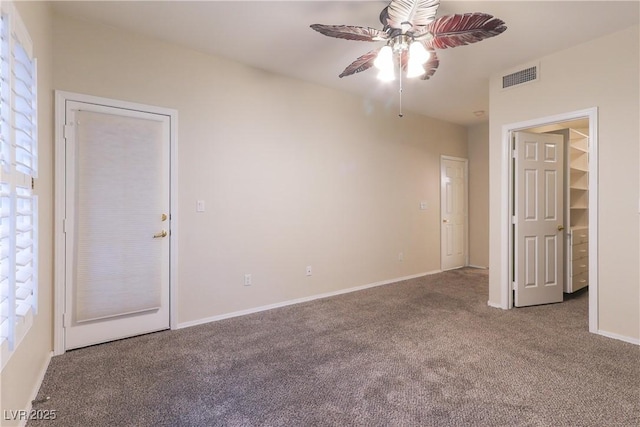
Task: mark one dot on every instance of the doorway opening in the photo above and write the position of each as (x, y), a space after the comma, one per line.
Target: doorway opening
(579, 130)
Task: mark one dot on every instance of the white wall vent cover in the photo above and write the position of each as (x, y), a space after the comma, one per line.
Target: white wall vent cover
(526, 75)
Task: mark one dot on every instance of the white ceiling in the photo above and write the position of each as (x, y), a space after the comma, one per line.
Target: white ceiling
(275, 36)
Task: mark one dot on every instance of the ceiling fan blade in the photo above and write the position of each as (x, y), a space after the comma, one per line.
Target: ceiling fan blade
(350, 32)
(431, 66)
(361, 64)
(411, 13)
(384, 16)
(460, 30)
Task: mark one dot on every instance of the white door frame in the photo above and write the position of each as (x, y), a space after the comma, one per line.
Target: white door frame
(61, 97)
(506, 247)
(466, 206)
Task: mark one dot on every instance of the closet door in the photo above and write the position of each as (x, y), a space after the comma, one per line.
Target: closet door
(539, 222)
(453, 212)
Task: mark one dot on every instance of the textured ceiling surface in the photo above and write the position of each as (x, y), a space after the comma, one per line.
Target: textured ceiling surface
(275, 36)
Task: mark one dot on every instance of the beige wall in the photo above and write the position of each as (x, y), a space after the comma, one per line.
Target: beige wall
(292, 174)
(295, 174)
(478, 148)
(22, 374)
(602, 73)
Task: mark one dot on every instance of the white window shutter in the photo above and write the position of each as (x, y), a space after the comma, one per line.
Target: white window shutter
(5, 91)
(5, 186)
(18, 168)
(5, 251)
(24, 111)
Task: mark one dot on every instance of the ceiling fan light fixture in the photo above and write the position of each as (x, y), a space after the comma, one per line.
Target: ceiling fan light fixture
(412, 34)
(414, 69)
(387, 75)
(384, 60)
(418, 53)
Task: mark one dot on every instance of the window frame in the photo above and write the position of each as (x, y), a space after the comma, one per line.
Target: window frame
(18, 171)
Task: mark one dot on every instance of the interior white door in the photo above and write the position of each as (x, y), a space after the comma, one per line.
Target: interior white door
(453, 212)
(539, 219)
(117, 223)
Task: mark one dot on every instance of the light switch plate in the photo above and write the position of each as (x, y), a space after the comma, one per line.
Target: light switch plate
(200, 206)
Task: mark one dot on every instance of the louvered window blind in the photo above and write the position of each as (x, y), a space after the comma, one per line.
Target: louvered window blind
(18, 169)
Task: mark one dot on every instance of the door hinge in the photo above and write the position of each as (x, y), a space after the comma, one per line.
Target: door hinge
(64, 225)
(514, 220)
(33, 183)
(67, 131)
(65, 320)
(514, 153)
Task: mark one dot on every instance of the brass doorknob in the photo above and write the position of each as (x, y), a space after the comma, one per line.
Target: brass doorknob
(159, 235)
(560, 227)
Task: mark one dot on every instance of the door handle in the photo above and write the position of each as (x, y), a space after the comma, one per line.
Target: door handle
(159, 235)
(445, 220)
(560, 227)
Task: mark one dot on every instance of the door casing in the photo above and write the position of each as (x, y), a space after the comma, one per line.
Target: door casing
(506, 247)
(61, 97)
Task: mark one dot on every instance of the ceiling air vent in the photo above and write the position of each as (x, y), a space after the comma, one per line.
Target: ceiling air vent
(519, 77)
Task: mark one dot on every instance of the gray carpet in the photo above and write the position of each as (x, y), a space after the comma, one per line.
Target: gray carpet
(423, 352)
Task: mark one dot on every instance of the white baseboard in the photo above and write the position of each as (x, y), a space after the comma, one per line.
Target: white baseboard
(630, 340)
(299, 300)
(36, 387)
(494, 305)
(481, 267)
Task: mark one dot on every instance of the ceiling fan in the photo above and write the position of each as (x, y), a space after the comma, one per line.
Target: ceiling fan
(412, 33)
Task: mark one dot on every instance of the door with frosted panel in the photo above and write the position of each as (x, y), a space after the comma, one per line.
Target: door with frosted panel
(117, 223)
(539, 219)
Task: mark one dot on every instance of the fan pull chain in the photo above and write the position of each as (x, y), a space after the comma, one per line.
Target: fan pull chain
(400, 80)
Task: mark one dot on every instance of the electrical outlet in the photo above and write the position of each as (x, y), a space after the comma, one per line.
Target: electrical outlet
(308, 270)
(247, 279)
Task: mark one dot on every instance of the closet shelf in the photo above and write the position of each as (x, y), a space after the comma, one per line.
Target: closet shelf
(579, 227)
(577, 208)
(583, 150)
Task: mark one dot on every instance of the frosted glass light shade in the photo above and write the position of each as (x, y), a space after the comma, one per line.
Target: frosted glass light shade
(414, 69)
(418, 56)
(418, 53)
(384, 60)
(386, 75)
(384, 63)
